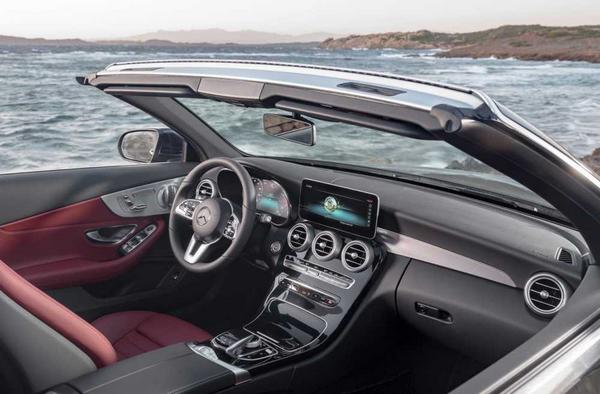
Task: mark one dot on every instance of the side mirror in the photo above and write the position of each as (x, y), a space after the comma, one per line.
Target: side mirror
(291, 129)
(152, 146)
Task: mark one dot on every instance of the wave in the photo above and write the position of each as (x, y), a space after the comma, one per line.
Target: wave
(37, 121)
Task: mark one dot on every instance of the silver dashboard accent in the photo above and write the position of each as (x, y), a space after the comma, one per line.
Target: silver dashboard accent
(140, 201)
(403, 245)
(241, 375)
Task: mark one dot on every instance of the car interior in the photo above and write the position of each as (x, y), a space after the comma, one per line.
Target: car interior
(320, 278)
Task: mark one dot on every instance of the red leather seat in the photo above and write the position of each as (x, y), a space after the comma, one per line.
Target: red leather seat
(133, 333)
(110, 338)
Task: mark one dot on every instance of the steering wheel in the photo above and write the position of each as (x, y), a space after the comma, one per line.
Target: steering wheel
(214, 220)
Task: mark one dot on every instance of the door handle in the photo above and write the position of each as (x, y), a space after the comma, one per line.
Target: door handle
(110, 235)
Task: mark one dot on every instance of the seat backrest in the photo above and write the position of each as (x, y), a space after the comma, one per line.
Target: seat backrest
(48, 341)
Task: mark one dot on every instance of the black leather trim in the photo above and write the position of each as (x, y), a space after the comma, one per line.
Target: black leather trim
(173, 369)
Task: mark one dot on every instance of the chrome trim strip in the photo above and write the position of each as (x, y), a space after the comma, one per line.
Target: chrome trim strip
(403, 245)
(241, 375)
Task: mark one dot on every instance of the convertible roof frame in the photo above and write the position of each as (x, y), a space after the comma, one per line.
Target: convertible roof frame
(465, 118)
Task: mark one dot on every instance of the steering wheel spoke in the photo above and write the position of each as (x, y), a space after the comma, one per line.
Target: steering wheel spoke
(186, 208)
(196, 249)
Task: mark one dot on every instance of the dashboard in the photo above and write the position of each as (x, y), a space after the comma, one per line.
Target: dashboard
(471, 264)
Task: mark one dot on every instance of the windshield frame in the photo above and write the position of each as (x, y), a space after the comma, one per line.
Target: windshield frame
(507, 200)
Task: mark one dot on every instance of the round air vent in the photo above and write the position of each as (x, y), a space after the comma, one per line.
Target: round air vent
(326, 245)
(206, 189)
(300, 236)
(357, 256)
(546, 293)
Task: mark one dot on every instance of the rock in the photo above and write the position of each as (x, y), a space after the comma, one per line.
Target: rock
(470, 164)
(526, 42)
(593, 161)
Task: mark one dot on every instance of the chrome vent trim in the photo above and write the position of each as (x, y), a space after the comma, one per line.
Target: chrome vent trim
(300, 237)
(565, 256)
(546, 293)
(206, 189)
(357, 256)
(326, 245)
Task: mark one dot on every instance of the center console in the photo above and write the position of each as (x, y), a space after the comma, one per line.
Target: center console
(326, 262)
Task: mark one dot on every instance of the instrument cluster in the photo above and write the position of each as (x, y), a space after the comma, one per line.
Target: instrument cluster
(271, 198)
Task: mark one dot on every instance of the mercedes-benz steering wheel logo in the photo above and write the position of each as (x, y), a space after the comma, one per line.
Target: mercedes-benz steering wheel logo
(203, 216)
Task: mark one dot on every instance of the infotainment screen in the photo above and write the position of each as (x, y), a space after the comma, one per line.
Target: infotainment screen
(339, 207)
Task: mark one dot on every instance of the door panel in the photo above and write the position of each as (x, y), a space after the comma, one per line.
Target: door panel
(46, 215)
(51, 250)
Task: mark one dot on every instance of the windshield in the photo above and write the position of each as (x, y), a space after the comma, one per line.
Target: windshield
(342, 143)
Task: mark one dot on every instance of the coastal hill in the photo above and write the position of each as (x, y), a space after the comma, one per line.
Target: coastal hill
(11, 40)
(526, 42)
(221, 36)
(178, 38)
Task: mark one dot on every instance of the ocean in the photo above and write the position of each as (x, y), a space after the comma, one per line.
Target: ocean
(48, 121)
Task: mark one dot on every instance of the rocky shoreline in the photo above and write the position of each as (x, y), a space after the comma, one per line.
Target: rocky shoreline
(525, 42)
(592, 161)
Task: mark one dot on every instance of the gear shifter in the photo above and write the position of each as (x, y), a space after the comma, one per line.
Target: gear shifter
(235, 350)
(250, 348)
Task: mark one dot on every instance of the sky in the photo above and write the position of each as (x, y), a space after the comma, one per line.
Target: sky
(121, 18)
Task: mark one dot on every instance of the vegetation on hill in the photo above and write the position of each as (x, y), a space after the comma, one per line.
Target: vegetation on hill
(528, 42)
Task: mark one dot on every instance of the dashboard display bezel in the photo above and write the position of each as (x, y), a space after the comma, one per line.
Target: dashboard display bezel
(372, 230)
(277, 223)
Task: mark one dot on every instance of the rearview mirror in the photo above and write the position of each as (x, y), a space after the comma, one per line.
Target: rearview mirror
(152, 146)
(290, 129)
